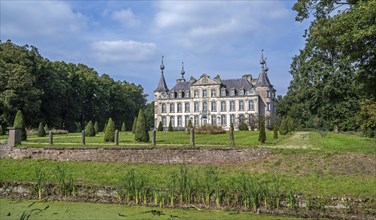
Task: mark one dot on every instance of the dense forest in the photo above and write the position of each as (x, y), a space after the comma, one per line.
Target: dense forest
(62, 95)
(334, 75)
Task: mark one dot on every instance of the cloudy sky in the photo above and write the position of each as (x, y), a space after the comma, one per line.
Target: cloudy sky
(126, 39)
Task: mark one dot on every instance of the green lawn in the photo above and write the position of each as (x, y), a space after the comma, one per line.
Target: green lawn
(10, 209)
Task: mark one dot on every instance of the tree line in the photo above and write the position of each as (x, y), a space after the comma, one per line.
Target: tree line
(62, 95)
(334, 75)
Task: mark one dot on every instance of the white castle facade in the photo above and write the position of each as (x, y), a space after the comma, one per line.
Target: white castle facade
(215, 101)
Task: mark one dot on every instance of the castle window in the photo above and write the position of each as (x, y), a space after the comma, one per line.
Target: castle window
(213, 120)
(179, 107)
(223, 92)
(186, 120)
(195, 107)
(223, 106)
(204, 93)
(195, 120)
(163, 108)
(268, 94)
(223, 120)
(180, 121)
(164, 121)
(232, 119)
(213, 93)
(204, 106)
(232, 105)
(214, 106)
(241, 119)
(172, 120)
(241, 91)
(172, 107)
(186, 107)
(195, 93)
(268, 107)
(241, 106)
(251, 106)
(232, 92)
(179, 95)
(187, 94)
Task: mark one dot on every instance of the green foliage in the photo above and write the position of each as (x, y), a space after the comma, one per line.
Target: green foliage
(160, 126)
(78, 126)
(89, 129)
(290, 124)
(123, 127)
(41, 132)
(19, 122)
(170, 128)
(283, 129)
(275, 130)
(262, 132)
(134, 125)
(243, 127)
(141, 132)
(96, 127)
(209, 129)
(366, 117)
(46, 128)
(149, 115)
(1, 130)
(109, 135)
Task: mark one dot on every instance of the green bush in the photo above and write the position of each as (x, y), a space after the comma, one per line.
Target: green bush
(78, 126)
(1, 130)
(170, 128)
(134, 125)
(141, 133)
(243, 127)
(283, 129)
(46, 128)
(123, 127)
(109, 134)
(209, 129)
(190, 126)
(369, 132)
(19, 122)
(160, 126)
(262, 133)
(96, 127)
(41, 131)
(290, 125)
(89, 129)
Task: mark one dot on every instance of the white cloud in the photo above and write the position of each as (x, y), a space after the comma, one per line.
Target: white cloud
(126, 17)
(114, 51)
(25, 19)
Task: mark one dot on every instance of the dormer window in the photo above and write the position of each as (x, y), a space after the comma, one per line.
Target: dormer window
(187, 94)
(223, 92)
(195, 93)
(232, 92)
(180, 95)
(213, 93)
(241, 91)
(268, 94)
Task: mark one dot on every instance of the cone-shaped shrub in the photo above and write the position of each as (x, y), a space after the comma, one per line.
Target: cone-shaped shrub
(41, 131)
(141, 133)
(189, 126)
(46, 128)
(96, 127)
(109, 134)
(19, 122)
(262, 133)
(89, 129)
(160, 126)
(1, 130)
(104, 128)
(275, 130)
(283, 129)
(290, 124)
(123, 127)
(134, 125)
(170, 128)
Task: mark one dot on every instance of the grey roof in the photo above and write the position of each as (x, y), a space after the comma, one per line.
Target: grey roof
(263, 79)
(181, 86)
(162, 86)
(236, 84)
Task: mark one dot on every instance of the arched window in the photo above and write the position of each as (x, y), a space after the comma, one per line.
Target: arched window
(232, 105)
(223, 106)
(241, 106)
(251, 106)
(163, 108)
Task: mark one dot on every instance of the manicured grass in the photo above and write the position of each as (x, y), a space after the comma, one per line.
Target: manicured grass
(10, 209)
(95, 173)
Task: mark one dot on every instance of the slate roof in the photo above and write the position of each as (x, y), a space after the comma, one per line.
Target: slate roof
(236, 84)
(263, 79)
(181, 86)
(162, 86)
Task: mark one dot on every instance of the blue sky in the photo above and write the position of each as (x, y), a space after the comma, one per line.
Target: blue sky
(126, 39)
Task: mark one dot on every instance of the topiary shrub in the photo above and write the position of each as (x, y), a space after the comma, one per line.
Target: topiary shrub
(290, 124)
(160, 126)
(141, 133)
(134, 125)
(1, 130)
(41, 132)
(275, 130)
(46, 128)
(283, 129)
(89, 129)
(19, 122)
(109, 134)
(188, 130)
(262, 133)
(170, 128)
(210, 129)
(123, 127)
(243, 127)
(96, 127)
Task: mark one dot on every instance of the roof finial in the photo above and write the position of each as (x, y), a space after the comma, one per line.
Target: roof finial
(162, 66)
(182, 70)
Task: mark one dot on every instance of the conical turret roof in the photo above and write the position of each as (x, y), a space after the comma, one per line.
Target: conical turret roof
(162, 86)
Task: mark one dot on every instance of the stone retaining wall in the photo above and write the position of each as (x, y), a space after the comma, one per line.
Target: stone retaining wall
(151, 156)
